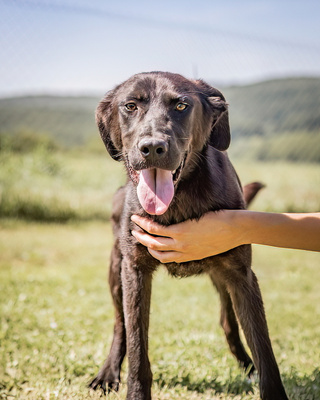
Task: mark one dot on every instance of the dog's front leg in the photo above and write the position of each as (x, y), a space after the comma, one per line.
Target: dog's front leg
(136, 301)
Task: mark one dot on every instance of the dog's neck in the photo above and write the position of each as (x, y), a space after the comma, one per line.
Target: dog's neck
(204, 187)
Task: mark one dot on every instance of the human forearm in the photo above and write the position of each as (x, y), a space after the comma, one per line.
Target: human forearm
(299, 231)
(217, 232)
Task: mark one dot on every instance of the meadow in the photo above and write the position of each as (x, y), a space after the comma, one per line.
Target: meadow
(61, 186)
(57, 314)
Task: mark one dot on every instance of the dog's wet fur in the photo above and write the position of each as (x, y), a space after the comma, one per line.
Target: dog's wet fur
(163, 121)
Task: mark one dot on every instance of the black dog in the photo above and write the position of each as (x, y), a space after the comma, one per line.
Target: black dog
(171, 134)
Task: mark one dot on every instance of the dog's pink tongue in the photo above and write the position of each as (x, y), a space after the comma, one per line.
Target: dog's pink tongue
(155, 190)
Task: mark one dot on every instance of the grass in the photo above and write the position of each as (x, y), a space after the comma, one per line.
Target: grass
(290, 146)
(290, 187)
(68, 186)
(57, 186)
(56, 314)
(57, 319)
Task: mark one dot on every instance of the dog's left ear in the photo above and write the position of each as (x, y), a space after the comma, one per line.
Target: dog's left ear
(216, 106)
(220, 133)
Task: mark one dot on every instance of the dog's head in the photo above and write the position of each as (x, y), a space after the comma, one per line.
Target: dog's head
(155, 122)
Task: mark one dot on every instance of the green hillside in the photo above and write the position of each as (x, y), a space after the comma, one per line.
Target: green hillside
(68, 120)
(272, 107)
(277, 119)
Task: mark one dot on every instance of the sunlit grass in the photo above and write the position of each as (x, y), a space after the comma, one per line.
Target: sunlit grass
(57, 315)
(57, 186)
(64, 186)
(57, 320)
(290, 187)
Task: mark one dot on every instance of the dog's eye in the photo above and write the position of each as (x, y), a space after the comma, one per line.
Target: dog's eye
(181, 106)
(131, 106)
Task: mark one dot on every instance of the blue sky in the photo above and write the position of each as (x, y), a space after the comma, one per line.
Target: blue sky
(69, 46)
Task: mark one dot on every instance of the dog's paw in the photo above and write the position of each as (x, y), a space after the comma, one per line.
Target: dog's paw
(107, 385)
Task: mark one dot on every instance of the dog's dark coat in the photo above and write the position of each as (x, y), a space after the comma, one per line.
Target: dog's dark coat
(143, 123)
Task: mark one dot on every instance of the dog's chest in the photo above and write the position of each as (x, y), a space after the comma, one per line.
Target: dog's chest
(186, 269)
(142, 259)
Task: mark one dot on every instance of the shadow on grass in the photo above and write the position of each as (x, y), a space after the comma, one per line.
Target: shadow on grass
(298, 386)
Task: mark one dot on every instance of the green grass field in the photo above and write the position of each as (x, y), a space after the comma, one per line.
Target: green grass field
(57, 315)
(61, 186)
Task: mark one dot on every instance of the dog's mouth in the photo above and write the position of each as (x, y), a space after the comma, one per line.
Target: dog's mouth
(155, 187)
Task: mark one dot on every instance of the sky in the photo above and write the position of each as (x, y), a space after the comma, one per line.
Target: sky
(89, 46)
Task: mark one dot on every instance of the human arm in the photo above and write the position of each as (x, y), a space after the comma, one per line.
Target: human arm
(217, 232)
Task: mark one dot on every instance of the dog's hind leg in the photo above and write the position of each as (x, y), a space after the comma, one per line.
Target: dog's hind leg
(230, 326)
(246, 298)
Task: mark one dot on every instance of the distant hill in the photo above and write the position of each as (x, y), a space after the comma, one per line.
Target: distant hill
(272, 107)
(258, 112)
(68, 120)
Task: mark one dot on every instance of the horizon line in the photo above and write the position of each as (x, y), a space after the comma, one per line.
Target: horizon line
(95, 92)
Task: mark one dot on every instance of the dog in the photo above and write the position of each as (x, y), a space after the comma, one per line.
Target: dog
(172, 134)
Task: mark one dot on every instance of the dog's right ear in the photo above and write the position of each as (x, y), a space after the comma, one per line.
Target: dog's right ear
(107, 120)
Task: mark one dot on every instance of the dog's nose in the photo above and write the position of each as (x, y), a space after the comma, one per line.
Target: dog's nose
(153, 149)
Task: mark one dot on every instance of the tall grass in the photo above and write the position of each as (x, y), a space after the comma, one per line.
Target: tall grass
(290, 187)
(59, 186)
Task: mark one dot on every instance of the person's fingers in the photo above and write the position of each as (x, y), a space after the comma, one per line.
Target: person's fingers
(157, 243)
(167, 256)
(151, 226)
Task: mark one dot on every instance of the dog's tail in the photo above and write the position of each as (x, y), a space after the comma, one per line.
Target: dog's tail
(250, 190)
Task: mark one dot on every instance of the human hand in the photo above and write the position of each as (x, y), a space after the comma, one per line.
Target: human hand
(214, 233)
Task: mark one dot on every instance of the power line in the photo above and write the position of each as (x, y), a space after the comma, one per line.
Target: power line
(158, 22)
